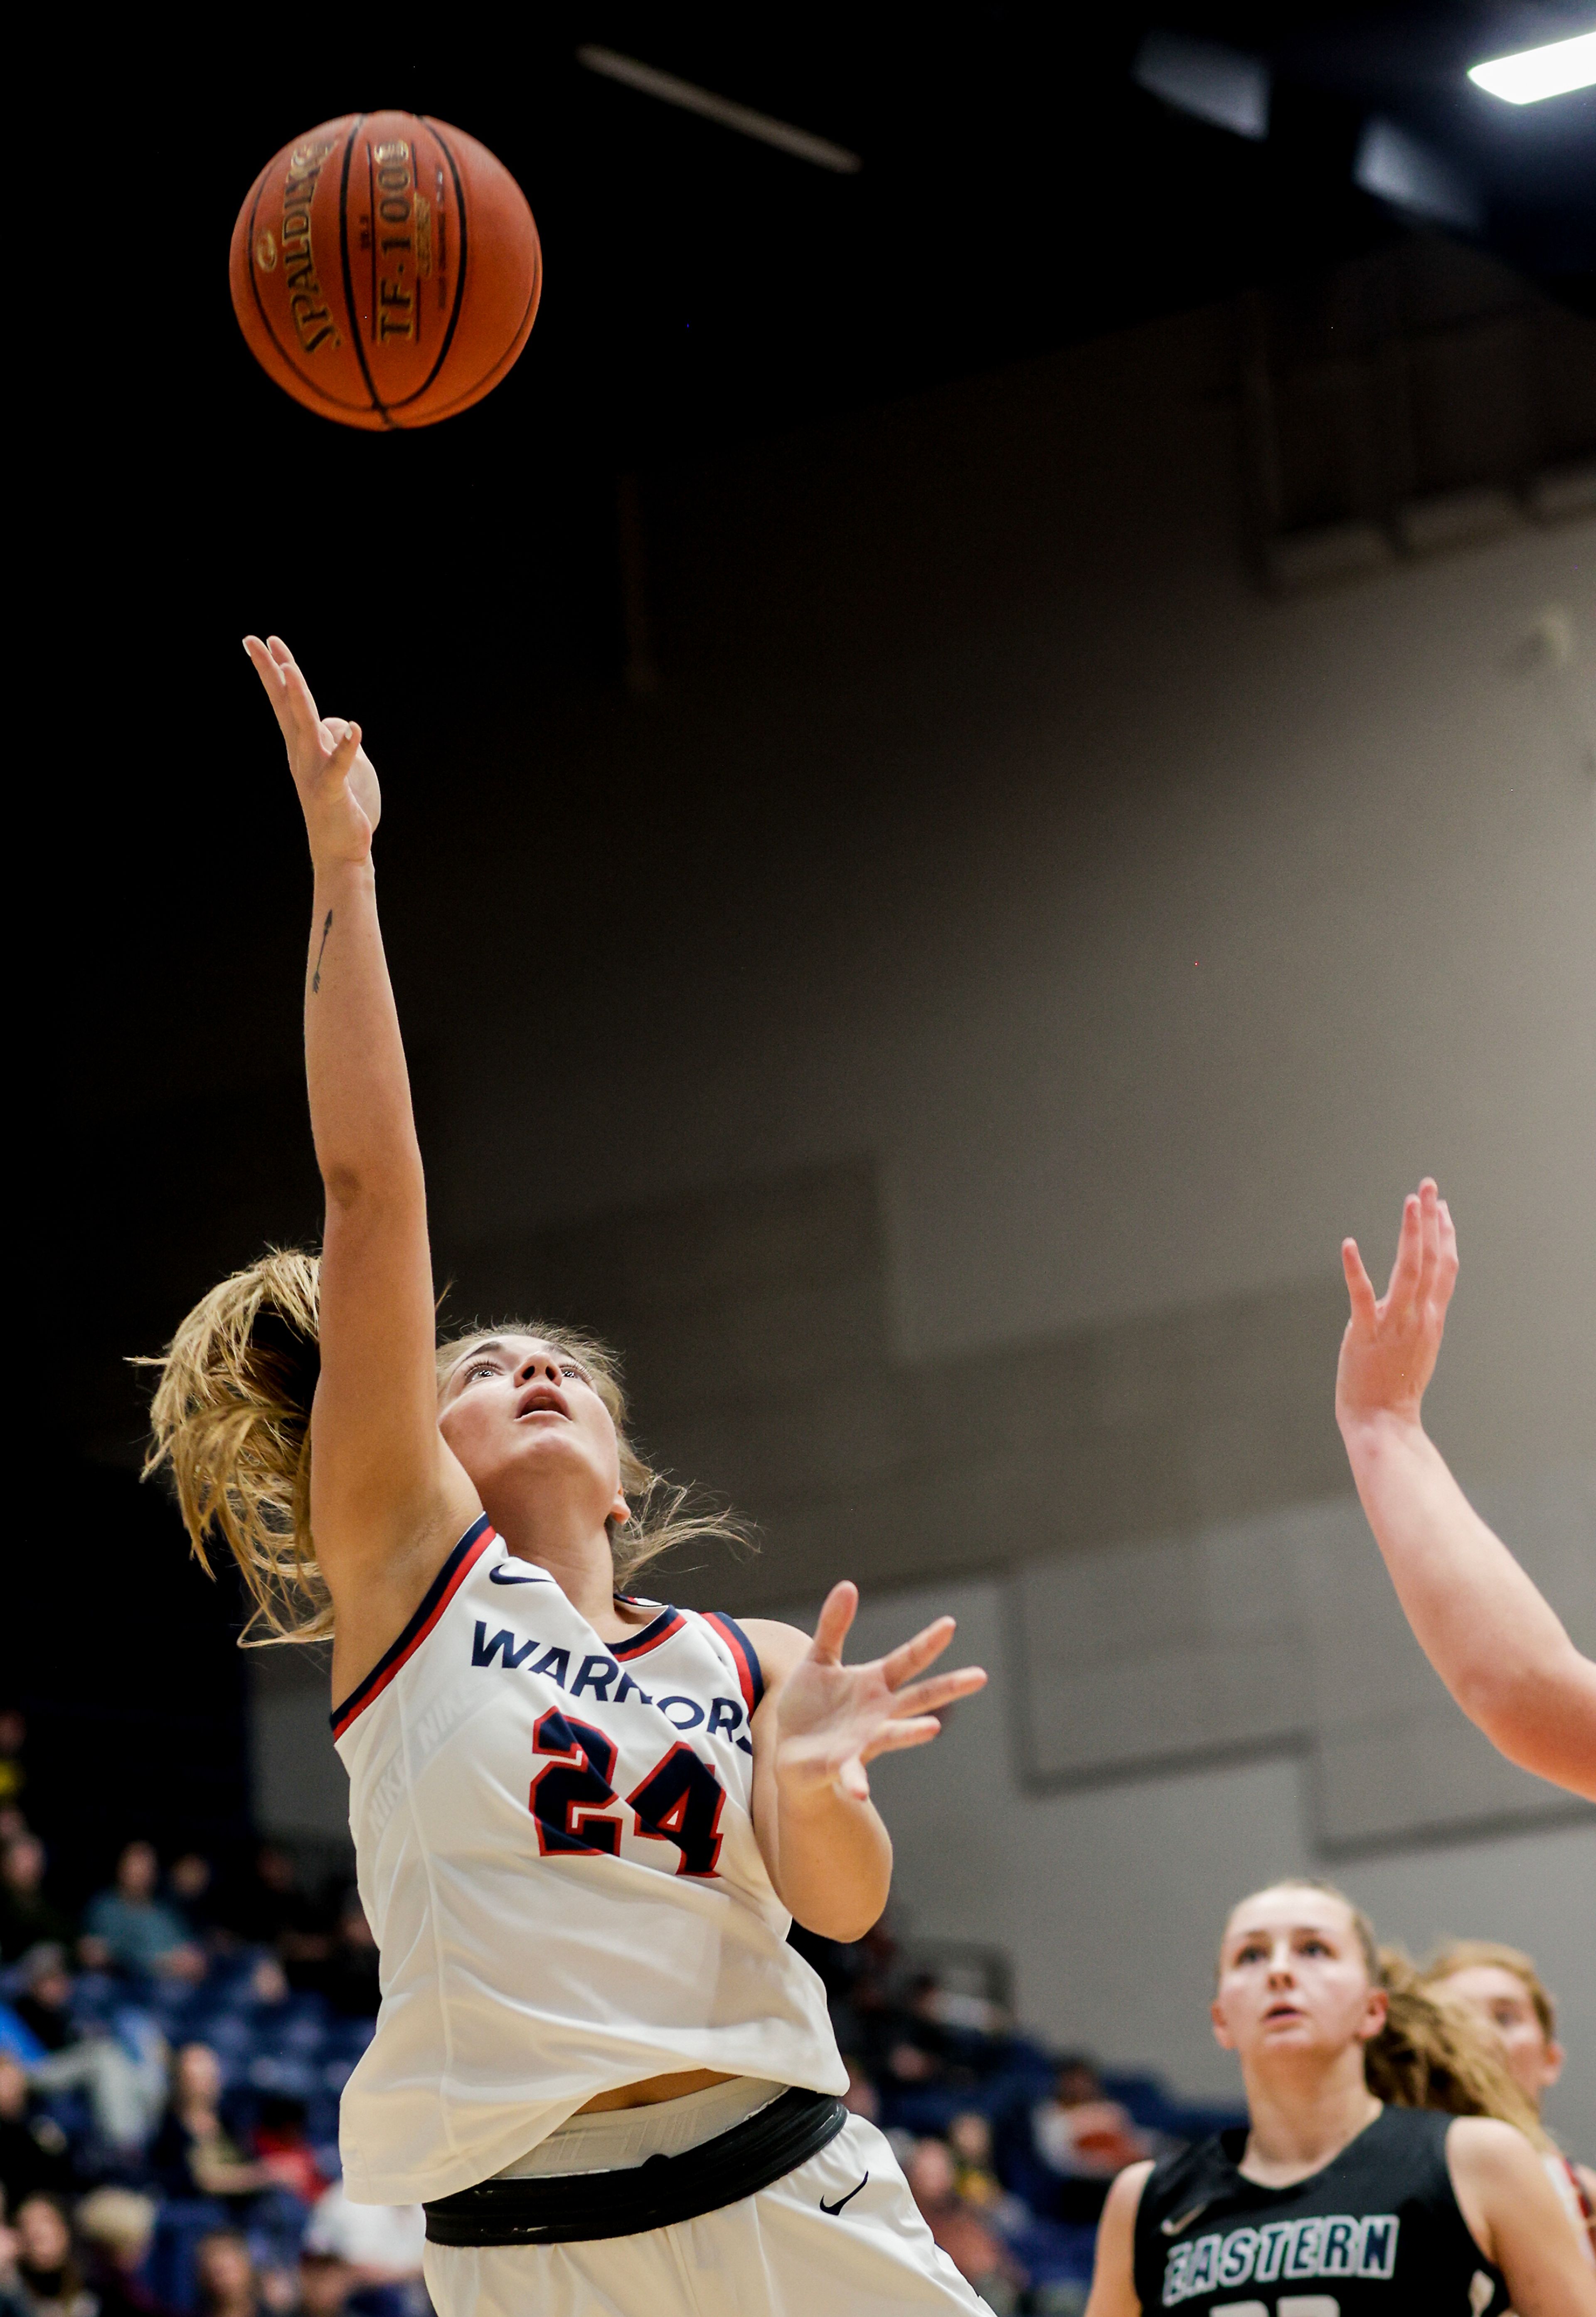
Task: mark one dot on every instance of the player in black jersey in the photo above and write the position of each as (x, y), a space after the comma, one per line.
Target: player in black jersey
(1331, 2204)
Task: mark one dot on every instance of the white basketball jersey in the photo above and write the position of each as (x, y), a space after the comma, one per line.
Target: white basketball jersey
(554, 1837)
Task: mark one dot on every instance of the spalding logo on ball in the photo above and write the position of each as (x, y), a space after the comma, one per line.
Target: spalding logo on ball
(386, 270)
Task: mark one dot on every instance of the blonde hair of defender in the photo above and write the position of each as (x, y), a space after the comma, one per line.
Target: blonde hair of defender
(230, 1425)
(1429, 2053)
(1491, 1955)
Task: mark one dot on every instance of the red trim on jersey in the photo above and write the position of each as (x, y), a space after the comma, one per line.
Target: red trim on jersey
(1573, 2170)
(437, 1597)
(668, 1622)
(745, 1657)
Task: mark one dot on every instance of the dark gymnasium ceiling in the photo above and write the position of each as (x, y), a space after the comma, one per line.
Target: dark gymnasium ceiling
(1018, 191)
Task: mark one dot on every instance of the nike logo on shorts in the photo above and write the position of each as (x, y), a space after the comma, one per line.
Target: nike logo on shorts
(848, 2199)
(501, 1576)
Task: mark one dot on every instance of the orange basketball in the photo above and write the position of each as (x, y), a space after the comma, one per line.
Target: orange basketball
(386, 270)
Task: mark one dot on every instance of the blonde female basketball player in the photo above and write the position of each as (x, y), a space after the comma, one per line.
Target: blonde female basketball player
(1499, 1647)
(582, 1820)
(1352, 2192)
(1502, 1988)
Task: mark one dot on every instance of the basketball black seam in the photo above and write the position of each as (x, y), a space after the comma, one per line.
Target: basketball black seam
(332, 401)
(460, 277)
(378, 403)
(335, 402)
(254, 211)
(508, 359)
(485, 385)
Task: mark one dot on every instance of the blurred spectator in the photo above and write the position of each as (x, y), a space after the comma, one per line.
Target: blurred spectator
(277, 1913)
(27, 1915)
(381, 2244)
(349, 1981)
(193, 2154)
(1081, 2139)
(14, 1774)
(969, 2141)
(115, 2227)
(11, 2290)
(191, 1886)
(325, 2284)
(125, 2094)
(51, 2282)
(917, 2050)
(225, 2276)
(970, 2244)
(34, 2153)
(280, 2142)
(42, 2004)
(130, 1929)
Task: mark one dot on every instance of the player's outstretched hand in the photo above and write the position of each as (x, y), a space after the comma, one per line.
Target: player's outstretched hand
(336, 778)
(1388, 1353)
(832, 1719)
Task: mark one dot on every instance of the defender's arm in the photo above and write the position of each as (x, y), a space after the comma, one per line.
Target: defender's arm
(1496, 1643)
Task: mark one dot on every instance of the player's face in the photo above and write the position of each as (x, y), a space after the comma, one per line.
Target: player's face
(1293, 1980)
(521, 1413)
(1503, 2002)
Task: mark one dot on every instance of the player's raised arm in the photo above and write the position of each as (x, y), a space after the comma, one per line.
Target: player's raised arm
(824, 1845)
(386, 1496)
(1496, 1643)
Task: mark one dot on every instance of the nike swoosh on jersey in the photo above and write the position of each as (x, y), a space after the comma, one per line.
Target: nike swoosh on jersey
(1173, 2227)
(500, 1575)
(848, 2199)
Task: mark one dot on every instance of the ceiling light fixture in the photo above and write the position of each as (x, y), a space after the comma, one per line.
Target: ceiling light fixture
(1414, 177)
(1212, 83)
(740, 117)
(1535, 72)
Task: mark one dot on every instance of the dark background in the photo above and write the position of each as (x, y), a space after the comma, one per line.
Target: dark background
(466, 583)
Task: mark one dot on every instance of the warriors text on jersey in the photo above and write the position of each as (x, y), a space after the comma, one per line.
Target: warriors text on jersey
(555, 1842)
(1376, 2233)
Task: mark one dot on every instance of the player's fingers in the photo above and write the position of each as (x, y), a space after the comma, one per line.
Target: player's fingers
(1410, 1251)
(893, 1736)
(273, 683)
(852, 1780)
(1428, 1237)
(293, 676)
(902, 1664)
(942, 1689)
(831, 1629)
(345, 752)
(1447, 1271)
(1359, 1286)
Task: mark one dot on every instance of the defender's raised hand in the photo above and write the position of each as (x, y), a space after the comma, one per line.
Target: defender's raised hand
(336, 778)
(832, 1719)
(1389, 1352)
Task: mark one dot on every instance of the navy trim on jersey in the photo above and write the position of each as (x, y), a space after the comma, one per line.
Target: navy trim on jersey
(745, 1657)
(668, 1622)
(433, 1602)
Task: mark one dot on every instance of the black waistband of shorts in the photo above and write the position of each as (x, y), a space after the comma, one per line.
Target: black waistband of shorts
(567, 2208)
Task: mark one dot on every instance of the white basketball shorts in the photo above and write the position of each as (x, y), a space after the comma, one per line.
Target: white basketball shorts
(839, 2237)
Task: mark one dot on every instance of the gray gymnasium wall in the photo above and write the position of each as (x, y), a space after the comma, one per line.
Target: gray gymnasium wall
(1048, 943)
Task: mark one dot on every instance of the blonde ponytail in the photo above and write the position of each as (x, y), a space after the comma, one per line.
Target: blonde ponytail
(230, 1424)
(1432, 2053)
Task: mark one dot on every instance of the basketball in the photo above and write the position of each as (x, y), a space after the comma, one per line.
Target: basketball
(386, 270)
